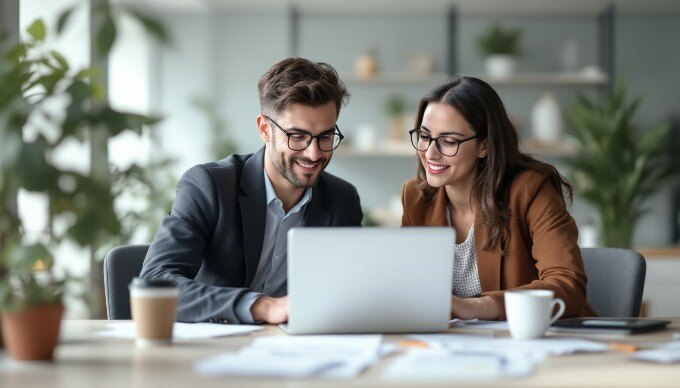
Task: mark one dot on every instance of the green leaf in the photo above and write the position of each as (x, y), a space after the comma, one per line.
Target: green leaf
(63, 63)
(24, 259)
(106, 35)
(37, 30)
(63, 19)
(152, 26)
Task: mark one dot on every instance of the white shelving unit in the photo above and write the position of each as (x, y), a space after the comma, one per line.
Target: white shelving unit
(531, 146)
(519, 79)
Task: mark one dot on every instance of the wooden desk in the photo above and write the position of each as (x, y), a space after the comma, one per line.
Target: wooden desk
(83, 361)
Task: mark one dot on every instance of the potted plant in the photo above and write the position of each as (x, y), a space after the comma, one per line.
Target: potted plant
(395, 107)
(618, 166)
(500, 48)
(80, 207)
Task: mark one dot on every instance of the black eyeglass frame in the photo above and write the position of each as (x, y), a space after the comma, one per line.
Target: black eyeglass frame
(311, 137)
(436, 141)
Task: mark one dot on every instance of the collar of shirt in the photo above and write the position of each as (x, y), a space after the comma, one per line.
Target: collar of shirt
(271, 196)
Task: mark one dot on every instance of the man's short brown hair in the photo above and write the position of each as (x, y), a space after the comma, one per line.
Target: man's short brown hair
(300, 81)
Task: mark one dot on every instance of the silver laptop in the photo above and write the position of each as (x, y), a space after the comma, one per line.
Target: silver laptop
(369, 280)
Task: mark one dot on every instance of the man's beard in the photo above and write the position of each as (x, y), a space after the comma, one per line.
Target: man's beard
(286, 167)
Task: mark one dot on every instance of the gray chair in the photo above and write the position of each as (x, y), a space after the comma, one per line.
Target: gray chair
(616, 279)
(121, 265)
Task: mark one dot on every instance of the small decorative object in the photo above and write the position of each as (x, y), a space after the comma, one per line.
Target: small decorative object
(546, 120)
(588, 235)
(592, 72)
(366, 65)
(569, 56)
(618, 166)
(500, 47)
(420, 63)
(395, 110)
(365, 138)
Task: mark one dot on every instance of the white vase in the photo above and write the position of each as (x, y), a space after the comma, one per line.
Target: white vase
(501, 66)
(546, 120)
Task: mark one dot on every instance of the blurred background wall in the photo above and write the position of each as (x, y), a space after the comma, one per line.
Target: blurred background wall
(221, 48)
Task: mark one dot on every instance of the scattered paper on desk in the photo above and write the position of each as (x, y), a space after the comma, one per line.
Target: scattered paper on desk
(181, 331)
(539, 347)
(434, 364)
(478, 324)
(666, 354)
(341, 357)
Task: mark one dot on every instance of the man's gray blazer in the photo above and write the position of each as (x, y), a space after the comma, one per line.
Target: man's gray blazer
(210, 243)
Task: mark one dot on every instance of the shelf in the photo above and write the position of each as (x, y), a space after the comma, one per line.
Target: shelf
(519, 79)
(394, 78)
(555, 150)
(547, 79)
(394, 150)
(405, 150)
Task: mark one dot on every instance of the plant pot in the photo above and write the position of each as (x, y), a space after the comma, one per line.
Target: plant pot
(366, 66)
(32, 334)
(501, 66)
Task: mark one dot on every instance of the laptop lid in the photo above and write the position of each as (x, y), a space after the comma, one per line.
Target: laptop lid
(369, 280)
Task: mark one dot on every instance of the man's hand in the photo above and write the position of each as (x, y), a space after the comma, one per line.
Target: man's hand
(469, 308)
(270, 310)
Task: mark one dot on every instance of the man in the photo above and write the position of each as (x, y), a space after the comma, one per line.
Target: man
(224, 242)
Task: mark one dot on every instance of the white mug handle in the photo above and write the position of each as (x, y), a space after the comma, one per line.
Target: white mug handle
(560, 311)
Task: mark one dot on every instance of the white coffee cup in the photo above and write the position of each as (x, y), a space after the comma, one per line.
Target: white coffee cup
(528, 312)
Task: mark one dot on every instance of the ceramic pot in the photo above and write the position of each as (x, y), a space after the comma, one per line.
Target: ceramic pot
(33, 333)
(501, 66)
(366, 66)
(546, 120)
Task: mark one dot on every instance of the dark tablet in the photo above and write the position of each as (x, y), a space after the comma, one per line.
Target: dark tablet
(610, 325)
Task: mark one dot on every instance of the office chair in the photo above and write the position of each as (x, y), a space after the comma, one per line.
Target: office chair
(616, 279)
(121, 264)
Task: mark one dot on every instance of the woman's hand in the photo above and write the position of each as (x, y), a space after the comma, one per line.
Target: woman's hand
(470, 308)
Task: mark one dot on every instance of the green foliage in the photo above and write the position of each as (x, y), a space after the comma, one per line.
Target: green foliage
(151, 191)
(498, 40)
(395, 106)
(34, 81)
(618, 166)
(221, 142)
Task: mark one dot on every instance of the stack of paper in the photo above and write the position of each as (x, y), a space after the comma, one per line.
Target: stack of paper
(665, 354)
(477, 356)
(342, 356)
(180, 331)
(437, 364)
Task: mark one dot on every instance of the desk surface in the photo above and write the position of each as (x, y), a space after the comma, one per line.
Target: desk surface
(83, 361)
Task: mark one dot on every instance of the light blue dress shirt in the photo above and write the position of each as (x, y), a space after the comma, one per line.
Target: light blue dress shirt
(271, 277)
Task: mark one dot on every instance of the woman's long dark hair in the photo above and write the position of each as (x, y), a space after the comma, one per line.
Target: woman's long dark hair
(483, 109)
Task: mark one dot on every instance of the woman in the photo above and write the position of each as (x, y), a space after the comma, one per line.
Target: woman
(512, 227)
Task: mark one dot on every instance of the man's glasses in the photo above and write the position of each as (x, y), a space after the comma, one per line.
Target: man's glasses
(446, 145)
(300, 140)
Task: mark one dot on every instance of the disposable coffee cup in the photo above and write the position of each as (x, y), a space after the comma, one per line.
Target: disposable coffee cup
(529, 312)
(154, 307)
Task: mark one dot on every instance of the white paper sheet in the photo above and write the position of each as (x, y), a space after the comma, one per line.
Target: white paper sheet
(537, 348)
(479, 324)
(667, 353)
(435, 364)
(340, 357)
(181, 331)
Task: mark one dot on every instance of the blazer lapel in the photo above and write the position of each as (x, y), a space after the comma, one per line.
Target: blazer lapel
(315, 215)
(435, 214)
(488, 260)
(253, 212)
